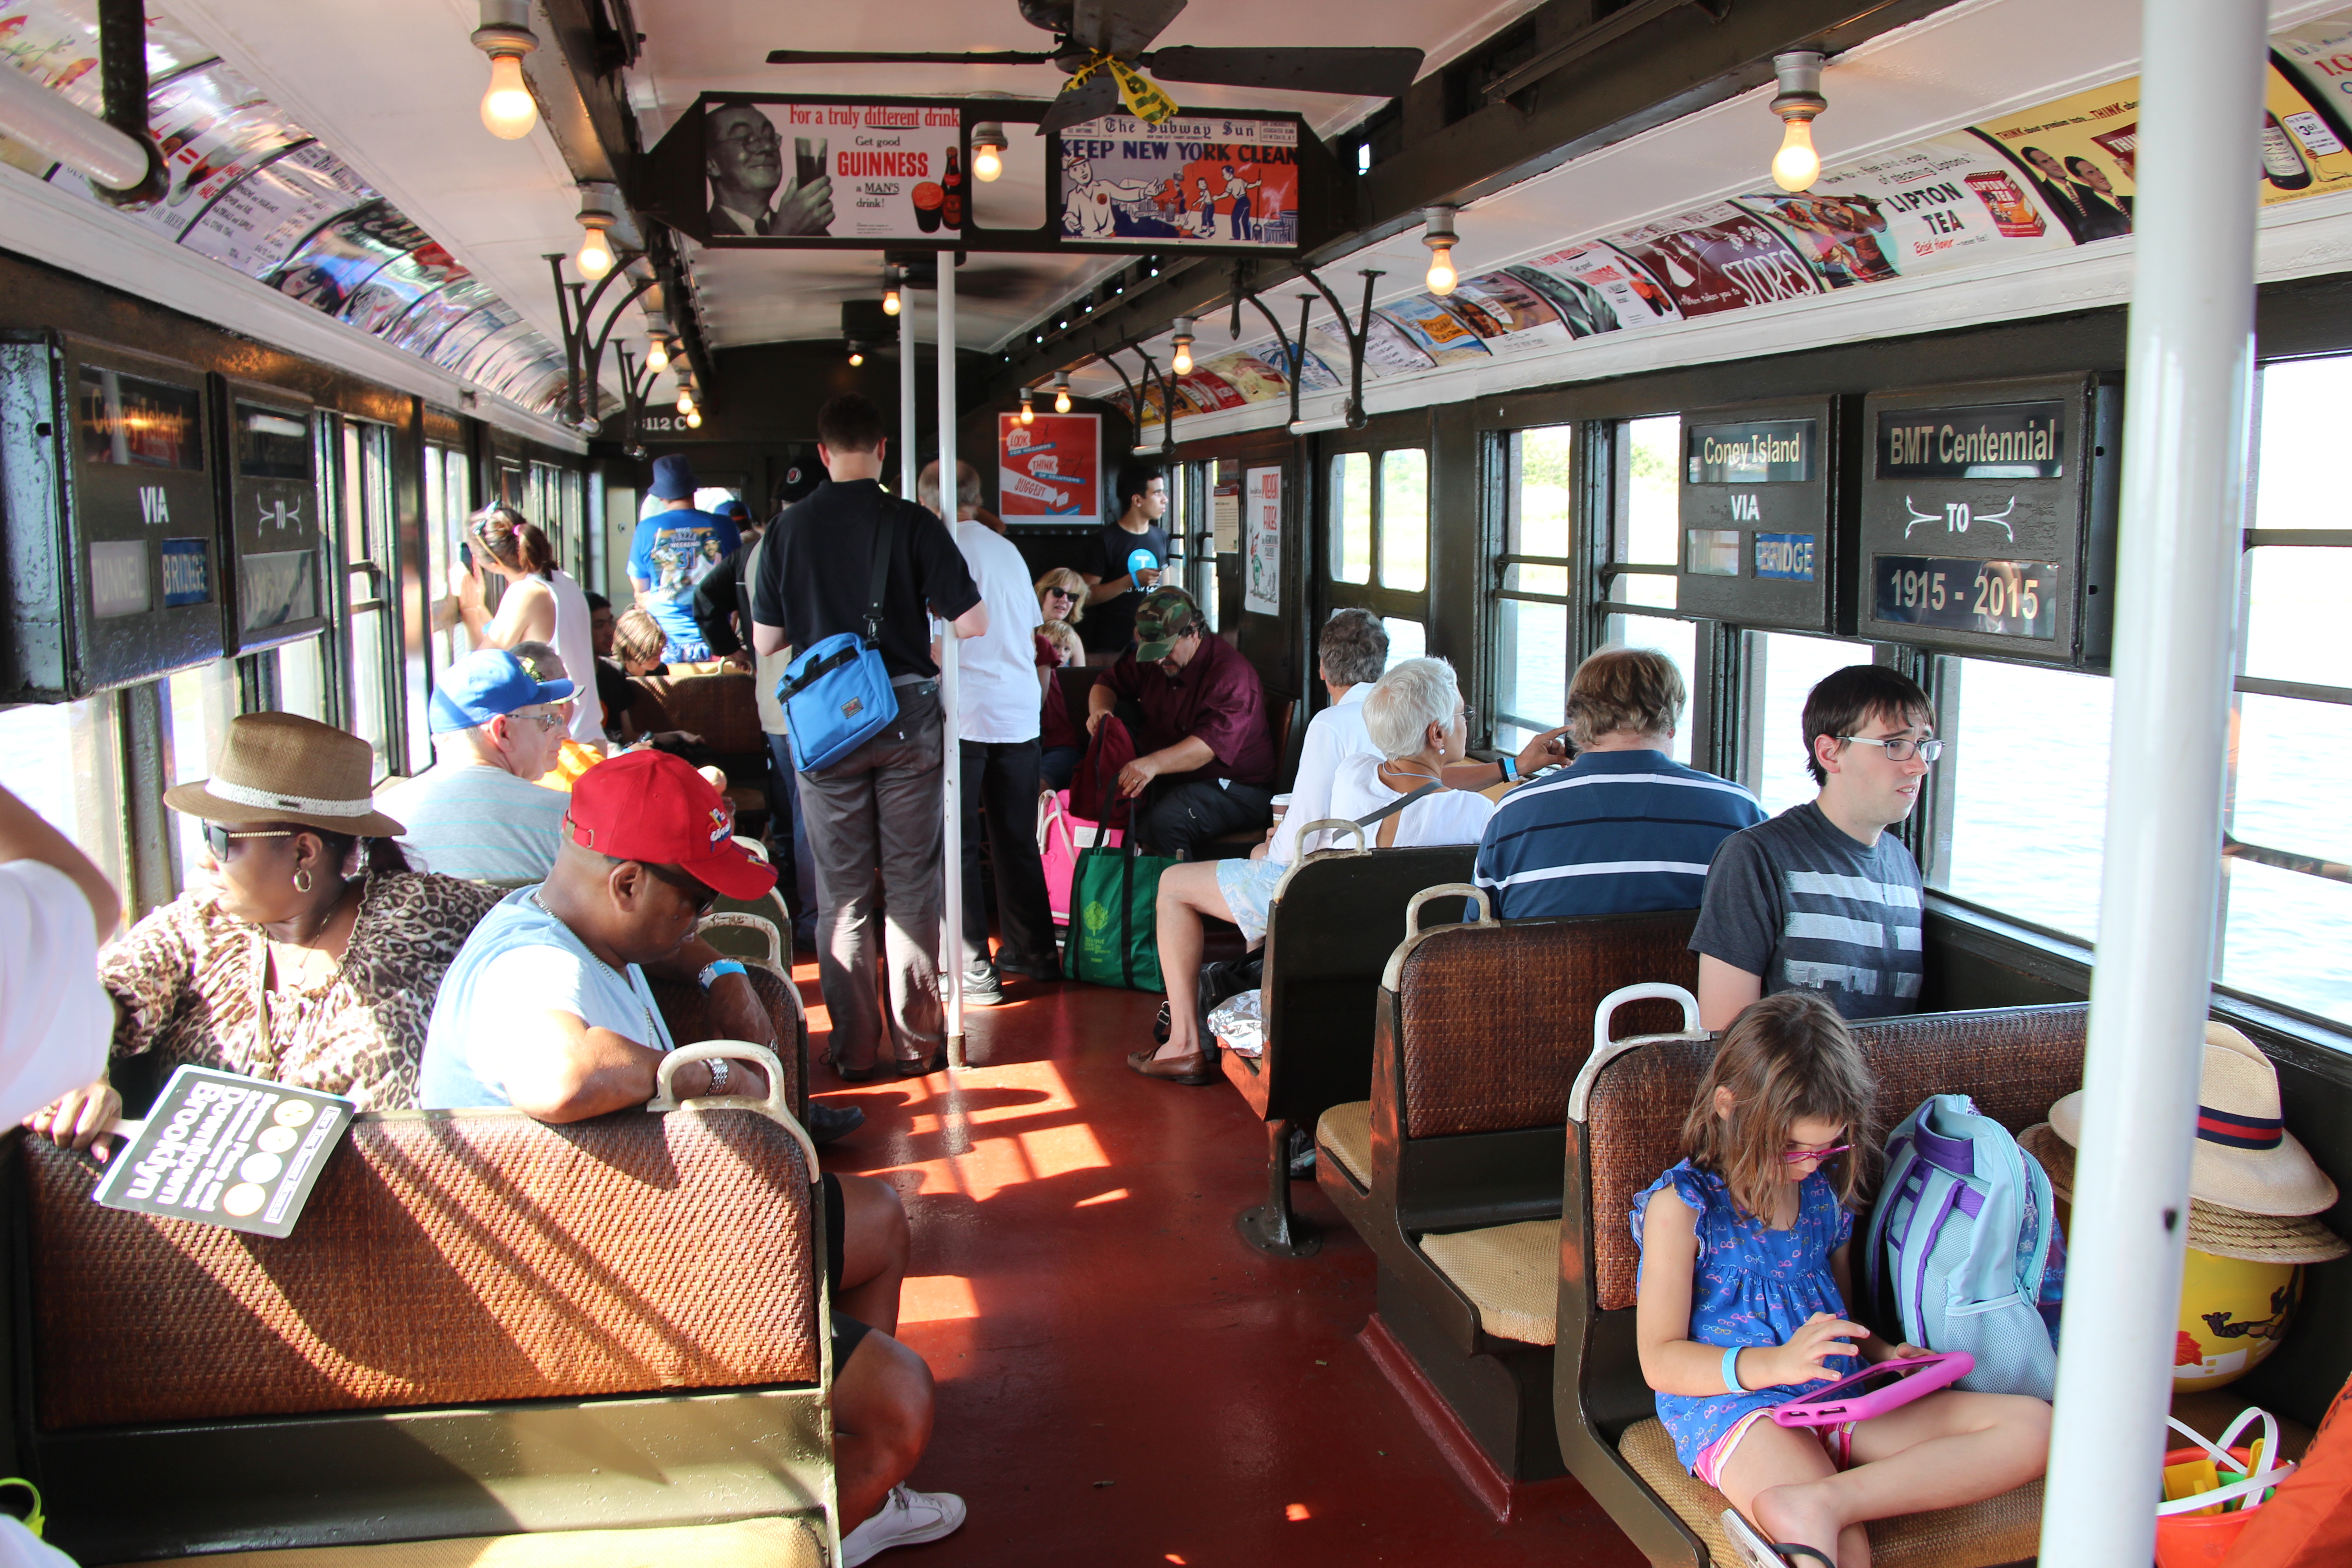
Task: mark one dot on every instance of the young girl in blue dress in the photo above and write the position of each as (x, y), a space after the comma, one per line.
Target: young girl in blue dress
(1744, 1276)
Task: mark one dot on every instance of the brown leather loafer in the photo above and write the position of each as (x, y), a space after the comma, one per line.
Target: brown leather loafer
(1197, 1069)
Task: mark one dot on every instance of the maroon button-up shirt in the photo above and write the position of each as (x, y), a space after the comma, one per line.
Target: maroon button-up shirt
(1216, 699)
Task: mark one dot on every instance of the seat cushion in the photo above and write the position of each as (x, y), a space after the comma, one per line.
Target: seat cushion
(1509, 1272)
(742, 1544)
(2006, 1528)
(1347, 1132)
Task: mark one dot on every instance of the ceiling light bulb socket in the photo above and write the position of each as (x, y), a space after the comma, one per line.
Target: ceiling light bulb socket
(1799, 74)
(1437, 226)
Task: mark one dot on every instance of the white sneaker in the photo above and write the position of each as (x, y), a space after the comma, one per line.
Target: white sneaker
(905, 1518)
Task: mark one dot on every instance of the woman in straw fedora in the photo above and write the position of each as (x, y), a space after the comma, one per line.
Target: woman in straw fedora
(307, 953)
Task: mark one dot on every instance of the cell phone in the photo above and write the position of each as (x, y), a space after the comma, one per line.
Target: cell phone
(466, 558)
(1876, 1390)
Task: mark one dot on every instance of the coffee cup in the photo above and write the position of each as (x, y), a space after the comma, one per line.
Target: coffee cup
(1281, 804)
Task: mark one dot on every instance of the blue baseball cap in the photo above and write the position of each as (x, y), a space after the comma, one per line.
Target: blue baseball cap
(486, 684)
(673, 478)
(733, 511)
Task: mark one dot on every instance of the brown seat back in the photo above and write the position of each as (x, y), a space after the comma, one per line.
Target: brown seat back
(1495, 1019)
(2012, 1062)
(722, 706)
(444, 1259)
(687, 1011)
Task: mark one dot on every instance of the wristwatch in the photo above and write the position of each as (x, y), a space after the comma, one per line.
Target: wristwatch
(719, 1074)
(717, 967)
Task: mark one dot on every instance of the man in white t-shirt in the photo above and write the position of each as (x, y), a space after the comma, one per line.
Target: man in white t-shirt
(998, 700)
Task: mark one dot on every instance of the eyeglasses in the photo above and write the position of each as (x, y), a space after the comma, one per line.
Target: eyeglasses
(1795, 1156)
(218, 837)
(693, 890)
(1469, 716)
(1902, 748)
(548, 721)
(759, 138)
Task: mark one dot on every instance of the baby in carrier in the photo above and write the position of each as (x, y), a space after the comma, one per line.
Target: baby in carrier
(1744, 1276)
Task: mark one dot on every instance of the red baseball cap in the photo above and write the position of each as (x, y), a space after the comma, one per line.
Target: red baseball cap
(654, 808)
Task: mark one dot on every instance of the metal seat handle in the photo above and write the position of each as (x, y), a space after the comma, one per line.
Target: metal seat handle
(1336, 825)
(1606, 1050)
(744, 919)
(1477, 896)
(774, 1107)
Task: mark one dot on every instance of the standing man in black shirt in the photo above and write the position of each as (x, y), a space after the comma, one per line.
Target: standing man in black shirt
(879, 808)
(1123, 561)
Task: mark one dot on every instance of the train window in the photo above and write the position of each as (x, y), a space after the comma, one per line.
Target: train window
(1678, 641)
(1531, 604)
(1407, 639)
(197, 706)
(1783, 669)
(2287, 887)
(302, 679)
(64, 759)
(363, 516)
(444, 517)
(2032, 853)
(1352, 533)
(1404, 519)
(1652, 513)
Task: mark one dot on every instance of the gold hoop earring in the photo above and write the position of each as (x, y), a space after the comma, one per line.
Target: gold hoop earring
(302, 881)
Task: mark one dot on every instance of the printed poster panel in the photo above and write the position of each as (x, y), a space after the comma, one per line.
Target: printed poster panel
(2318, 56)
(220, 1148)
(1251, 377)
(1510, 316)
(1949, 201)
(1262, 541)
(259, 221)
(1718, 257)
(1198, 179)
(1434, 329)
(333, 263)
(843, 171)
(1597, 289)
(1051, 470)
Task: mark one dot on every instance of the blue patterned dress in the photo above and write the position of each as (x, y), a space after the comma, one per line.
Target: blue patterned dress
(1754, 1287)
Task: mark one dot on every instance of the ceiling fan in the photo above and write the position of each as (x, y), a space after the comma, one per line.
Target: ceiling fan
(1097, 41)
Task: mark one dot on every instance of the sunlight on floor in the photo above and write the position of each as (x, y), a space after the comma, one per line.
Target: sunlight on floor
(936, 1298)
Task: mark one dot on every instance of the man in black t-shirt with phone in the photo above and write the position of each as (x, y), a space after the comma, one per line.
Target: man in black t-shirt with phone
(1124, 561)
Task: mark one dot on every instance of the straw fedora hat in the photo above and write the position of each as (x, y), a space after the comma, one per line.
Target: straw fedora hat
(282, 767)
(2224, 1233)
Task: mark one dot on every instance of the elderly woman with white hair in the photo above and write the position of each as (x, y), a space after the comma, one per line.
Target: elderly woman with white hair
(1418, 723)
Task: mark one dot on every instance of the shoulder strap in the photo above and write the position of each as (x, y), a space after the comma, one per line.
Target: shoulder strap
(885, 539)
(1399, 804)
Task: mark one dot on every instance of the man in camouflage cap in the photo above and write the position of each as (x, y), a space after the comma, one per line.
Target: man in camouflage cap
(1205, 757)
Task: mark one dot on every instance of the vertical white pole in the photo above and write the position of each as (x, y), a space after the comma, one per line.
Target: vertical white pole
(908, 394)
(951, 772)
(2188, 385)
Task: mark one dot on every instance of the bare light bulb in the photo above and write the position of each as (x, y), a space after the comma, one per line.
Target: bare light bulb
(595, 256)
(1442, 276)
(1028, 415)
(1061, 400)
(890, 300)
(658, 357)
(1182, 364)
(985, 164)
(856, 358)
(1795, 165)
(508, 112)
(684, 401)
(694, 421)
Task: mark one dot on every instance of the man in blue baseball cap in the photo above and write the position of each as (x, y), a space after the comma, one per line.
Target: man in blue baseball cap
(674, 549)
(476, 813)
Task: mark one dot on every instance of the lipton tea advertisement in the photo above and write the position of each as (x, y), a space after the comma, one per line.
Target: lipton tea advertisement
(1051, 470)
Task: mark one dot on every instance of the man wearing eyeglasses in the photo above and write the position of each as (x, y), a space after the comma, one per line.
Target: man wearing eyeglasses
(744, 157)
(478, 813)
(1822, 898)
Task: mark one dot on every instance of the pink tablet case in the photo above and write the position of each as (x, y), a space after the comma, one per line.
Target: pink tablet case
(1835, 1404)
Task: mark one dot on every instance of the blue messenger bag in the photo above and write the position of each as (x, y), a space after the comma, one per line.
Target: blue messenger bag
(836, 694)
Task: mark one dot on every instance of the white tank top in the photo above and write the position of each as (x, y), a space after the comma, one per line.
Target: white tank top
(575, 644)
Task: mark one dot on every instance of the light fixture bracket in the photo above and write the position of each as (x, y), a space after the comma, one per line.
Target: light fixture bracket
(506, 29)
(1437, 226)
(1799, 74)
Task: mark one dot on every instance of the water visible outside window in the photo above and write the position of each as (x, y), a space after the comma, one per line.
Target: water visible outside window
(1404, 519)
(1784, 670)
(2287, 932)
(1545, 456)
(2027, 776)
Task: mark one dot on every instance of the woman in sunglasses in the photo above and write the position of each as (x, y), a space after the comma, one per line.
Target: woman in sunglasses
(305, 952)
(1062, 597)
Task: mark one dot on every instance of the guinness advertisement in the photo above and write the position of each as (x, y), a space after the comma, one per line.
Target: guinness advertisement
(1990, 441)
(1756, 512)
(1988, 518)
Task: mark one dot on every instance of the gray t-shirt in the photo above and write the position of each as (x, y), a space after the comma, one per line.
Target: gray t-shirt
(478, 822)
(1800, 903)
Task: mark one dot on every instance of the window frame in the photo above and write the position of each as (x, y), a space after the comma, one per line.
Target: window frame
(1376, 595)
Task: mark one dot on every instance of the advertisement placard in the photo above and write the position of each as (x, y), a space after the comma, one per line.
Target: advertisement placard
(1262, 541)
(1050, 470)
(1199, 179)
(838, 171)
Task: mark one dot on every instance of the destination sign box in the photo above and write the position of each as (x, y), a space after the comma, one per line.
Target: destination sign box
(1758, 515)
(1988, 518)
(112, 533)
(272, 536)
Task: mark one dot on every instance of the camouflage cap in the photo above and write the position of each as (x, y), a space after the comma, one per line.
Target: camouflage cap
(1165, 615)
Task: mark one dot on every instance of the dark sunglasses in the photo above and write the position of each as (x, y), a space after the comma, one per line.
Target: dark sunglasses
(219, 837)
(693, 890)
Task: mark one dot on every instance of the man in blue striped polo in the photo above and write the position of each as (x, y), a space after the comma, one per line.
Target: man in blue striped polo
(1626, 828)
(1822, 898)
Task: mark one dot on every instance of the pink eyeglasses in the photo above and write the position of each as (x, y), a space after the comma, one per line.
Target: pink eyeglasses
(1793, 1155)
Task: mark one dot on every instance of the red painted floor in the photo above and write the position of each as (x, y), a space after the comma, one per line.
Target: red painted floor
(1121, 1379)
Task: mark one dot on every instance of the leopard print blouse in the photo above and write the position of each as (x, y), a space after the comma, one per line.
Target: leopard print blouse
(188, 982)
